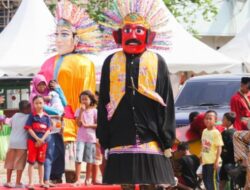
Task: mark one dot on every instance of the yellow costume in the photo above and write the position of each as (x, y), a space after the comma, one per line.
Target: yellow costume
(75, 73)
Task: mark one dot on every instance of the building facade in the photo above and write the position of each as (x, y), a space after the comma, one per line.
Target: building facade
(8, 9)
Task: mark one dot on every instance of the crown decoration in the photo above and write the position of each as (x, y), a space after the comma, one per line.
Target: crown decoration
(77, 19)
(150, 13)
(134, 18)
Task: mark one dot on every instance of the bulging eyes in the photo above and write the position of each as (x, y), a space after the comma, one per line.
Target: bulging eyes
(136, 30)
(127, 30)
(139, 31)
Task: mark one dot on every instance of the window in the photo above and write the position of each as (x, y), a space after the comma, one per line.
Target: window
(207, 92)
(7, 11)
(14, 90)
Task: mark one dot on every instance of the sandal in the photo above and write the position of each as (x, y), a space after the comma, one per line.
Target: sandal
(46, 186)
(9, 185)
(30, 187)
(97, 183)
(77, 184)
(20, 186)
(88, 182)
(52, 185)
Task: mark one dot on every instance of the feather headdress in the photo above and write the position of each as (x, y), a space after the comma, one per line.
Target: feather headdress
(78, 20)
(151, 13)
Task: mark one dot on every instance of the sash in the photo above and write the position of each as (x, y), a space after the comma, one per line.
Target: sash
(68, 112)
(58, 64)
(148, 71)
(245, 98)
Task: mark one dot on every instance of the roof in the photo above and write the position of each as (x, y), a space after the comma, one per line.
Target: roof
(218, 77)
(16, 78)
(239, 47)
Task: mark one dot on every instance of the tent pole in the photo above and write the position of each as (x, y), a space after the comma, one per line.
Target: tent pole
(244, 68)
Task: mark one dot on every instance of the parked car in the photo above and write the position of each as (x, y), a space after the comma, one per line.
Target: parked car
(202, 93)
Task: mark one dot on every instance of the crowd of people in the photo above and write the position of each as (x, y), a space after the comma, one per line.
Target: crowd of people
(224, 158)
(216, 154)
(33, 126)
(41, 117)
(35, 123)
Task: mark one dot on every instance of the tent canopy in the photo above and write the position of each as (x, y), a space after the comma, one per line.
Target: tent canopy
(188, 54)
(26, 39)
(239, 47)
(231, 18)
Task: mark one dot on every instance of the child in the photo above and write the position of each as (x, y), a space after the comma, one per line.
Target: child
(38, 127)
(227, 154)
(41, 88)
(86, 118)
(17, 152)
(188, 165)
(211, 149)
(54, 98)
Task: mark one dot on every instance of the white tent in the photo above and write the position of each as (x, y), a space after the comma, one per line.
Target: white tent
(239, 47)
(231, 18)
(25, 40)
(189, 54)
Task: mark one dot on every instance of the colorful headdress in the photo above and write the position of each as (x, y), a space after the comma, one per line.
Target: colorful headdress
(78, 20)
(149, 13)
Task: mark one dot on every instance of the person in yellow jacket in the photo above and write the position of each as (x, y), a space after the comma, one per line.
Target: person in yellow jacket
(75, 35)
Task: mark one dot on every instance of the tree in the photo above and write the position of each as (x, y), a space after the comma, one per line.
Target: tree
(183, 10)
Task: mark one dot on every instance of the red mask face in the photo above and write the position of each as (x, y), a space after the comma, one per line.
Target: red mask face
(134, 38)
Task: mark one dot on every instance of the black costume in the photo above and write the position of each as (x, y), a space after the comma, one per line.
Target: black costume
(137, 119)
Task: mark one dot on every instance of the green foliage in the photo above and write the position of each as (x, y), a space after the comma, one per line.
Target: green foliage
(96, 7)
(184, 10)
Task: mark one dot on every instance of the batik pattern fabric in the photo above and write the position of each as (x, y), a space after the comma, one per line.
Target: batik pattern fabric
(241, 141)
(145, 148)
(148, 71)
(137, 117)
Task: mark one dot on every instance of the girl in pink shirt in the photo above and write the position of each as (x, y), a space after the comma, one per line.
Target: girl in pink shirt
(86, 119)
